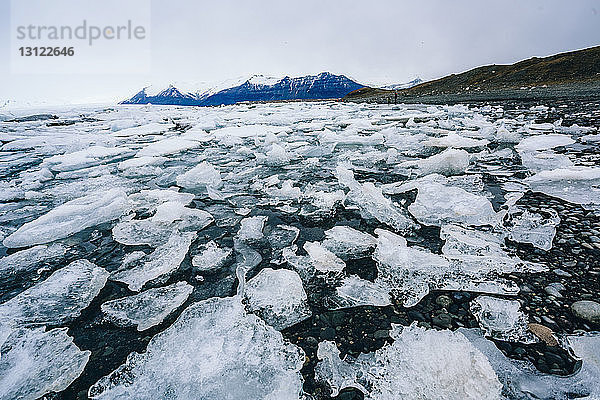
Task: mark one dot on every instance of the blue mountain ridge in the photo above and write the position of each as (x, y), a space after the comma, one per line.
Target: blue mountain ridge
(312, 87)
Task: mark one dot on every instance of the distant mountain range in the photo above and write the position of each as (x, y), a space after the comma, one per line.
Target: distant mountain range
(565, 75)
(255, 88)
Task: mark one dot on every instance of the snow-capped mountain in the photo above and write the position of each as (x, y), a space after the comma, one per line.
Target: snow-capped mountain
(255, 88)
(400, 86)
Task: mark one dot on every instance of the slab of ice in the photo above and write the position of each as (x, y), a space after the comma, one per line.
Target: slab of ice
(356, 291)
(449, 162)
(419, 364)
(321, 204)
(371, 202)
(277, 156)
(154, 231)
(522, 380)
(322, 259)
(214, 350)
(438, 204)
(502, 319)
(158, 264)
(29, 260)
(93, 155)
(579, 185)
(528, 227)
(71, 217)
(35, 362)
(348, 243)
(137, 162)
(202, 175)
(147, 309)
(278, 297)
(543, 142)
(56, 300)
(539, 161)
(211, 257)
(167, 147)
(457, 141)
(251, 228)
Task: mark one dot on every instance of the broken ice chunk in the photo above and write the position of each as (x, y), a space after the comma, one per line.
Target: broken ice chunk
(543, 142)
(148, 308)
(527, 227)
(502, 319)
(438, 204)
(168, 146)
(356, 291)
(333, 371)
(251, 228)
(212, 257)
(371, 202)
(201, 176)
(277, 156)
(322, 259)
(57, 299)
(277, 296)
(214, 350)
(456, 141)
(156, 230)
(27, 261)
(89, 157)
(419, 364)
(539, 161)
(158, 264)
(449, 162)
(522, 380)
(35, 362)
(71, 217)
(348, 243)
(579, 185)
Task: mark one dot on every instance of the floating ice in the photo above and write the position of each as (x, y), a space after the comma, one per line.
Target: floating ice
(251, 228)
(448, 162)
(419, 364)
(167, 147)
(211, 257)
(356, 291)
(457, 141)
(202, 175)
(154, 231)
(322, 259)
(522, 380)
(89, 157)
(543, 142)
(277, 156)
(371, 202)
(71, 217)
(137, 162)
(57, 299)
(539, 161)
(213, 351)
(148, 308)
(35, 362)
(528, 227)
(502, 319)
(438, 204)
(158, 264)
(348, 243)
(27, 261)
(277, 296)
(579, 185)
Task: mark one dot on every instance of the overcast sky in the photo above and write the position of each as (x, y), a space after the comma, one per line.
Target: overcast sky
(376, 41)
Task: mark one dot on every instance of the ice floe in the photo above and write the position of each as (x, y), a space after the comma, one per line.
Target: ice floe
(278, 297)
(148, 308)
(214, 350)
(502, 319)
(71, 217)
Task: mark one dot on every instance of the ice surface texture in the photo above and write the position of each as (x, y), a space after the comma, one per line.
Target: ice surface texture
(214, 350)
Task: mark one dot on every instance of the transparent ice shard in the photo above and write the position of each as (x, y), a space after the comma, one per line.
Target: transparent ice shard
(148, 308)
(278, 297)
(214, 350)
(502, 319)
